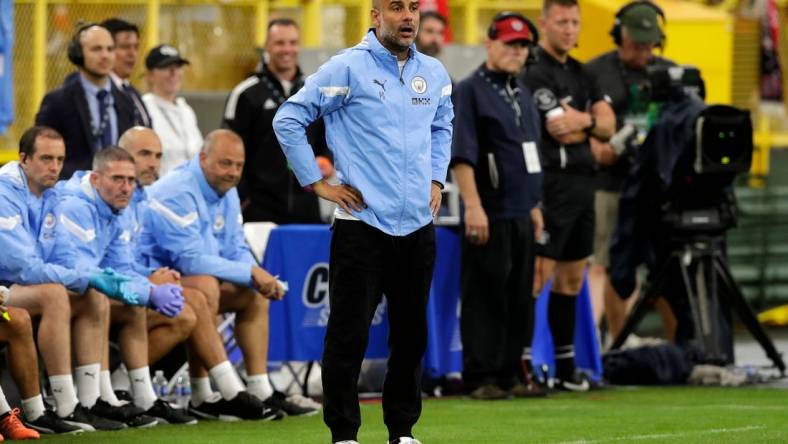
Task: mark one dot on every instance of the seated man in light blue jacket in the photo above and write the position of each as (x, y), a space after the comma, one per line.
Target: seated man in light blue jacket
(204, 346)
(60, 297)
(193, 224)
(387, 111)
(95, 232)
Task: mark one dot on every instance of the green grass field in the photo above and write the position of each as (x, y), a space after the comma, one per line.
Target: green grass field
(649, 415)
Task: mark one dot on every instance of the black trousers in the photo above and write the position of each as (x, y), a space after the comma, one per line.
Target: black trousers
(497, 280)
(365, 264)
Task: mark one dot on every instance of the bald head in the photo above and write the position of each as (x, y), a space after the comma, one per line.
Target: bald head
(222, 159)
(145, 146)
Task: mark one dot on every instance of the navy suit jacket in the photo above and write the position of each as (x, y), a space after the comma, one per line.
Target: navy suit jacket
(66, 110)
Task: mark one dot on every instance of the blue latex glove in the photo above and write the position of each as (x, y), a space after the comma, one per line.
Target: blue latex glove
(167, 299)
(111, 284)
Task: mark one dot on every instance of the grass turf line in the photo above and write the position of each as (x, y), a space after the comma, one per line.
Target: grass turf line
(643, 415)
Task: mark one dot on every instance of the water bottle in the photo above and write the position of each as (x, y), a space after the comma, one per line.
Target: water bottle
(183, 391)
(160, 384)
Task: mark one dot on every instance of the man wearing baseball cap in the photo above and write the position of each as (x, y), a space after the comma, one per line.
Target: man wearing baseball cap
(495, 159)
(621, 75)
(174, 121)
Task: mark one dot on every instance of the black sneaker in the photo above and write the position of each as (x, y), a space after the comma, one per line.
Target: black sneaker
(167, 414)
(142, 422)
(243, 406)
(579, 382)
(51, 424)
(89, 422)
(124, 395)
(279, 401)
(129, 414)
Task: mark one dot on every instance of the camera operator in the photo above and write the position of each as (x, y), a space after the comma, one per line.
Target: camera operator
(621, 76)
(571, 109)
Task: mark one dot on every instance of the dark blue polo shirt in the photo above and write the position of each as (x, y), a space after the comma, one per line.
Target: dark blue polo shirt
(494, 119)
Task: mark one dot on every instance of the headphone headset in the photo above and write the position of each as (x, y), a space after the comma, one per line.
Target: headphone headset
(615, 31)
(492, 31)
(74, 51)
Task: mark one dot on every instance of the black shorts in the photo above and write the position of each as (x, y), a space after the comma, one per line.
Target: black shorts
(568, 209)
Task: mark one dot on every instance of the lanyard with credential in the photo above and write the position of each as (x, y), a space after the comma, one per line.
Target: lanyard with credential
(508, 94)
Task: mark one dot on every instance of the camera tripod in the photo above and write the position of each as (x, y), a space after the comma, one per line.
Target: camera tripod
(707, 281)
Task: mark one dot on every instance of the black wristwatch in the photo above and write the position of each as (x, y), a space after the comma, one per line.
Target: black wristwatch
(590, 128)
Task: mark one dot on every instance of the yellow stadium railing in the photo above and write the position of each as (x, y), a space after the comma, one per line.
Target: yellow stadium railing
(221, 59)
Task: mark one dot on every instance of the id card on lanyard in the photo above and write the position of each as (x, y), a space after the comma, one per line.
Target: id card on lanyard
(531, 156)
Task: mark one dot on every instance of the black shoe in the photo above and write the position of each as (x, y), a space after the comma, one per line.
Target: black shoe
(489, 392)
(89, 422)
(129, 414)
(243, 406)
(142, 422)
(579, 382)
(52, 424)
(530, 390)
(166, 414)
(120, 413)
(124, 395)
(279, 401)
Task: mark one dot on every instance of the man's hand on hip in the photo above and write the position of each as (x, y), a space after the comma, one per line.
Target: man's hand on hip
(435, 199)
(345, 196)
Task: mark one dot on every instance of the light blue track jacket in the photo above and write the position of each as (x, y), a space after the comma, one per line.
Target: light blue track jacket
(390, 133)
(92, 235)
(136, 211)
(27, 235)
(190, 227)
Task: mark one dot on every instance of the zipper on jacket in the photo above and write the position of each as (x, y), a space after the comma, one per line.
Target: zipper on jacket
(404, 145)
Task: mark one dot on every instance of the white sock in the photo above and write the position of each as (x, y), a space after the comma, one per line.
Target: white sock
(142, 387)
(120, 379)
(260, 386)
(226, 380)
(105, 388)
(201, 390)
(88, 387)
(64, 393)
(4, 407)
(33, 407)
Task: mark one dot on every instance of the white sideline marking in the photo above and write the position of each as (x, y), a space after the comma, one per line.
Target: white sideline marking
(665, 435)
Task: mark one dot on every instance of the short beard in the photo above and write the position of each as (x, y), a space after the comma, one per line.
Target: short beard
(392, 43)
(432, 50)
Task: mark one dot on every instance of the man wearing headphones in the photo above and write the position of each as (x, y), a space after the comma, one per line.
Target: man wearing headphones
(102, 113)
(572, 110)
(496, 164)
(621, 75)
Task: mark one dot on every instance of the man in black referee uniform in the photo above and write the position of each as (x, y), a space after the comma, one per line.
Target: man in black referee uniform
(572, 110)
(496, 165)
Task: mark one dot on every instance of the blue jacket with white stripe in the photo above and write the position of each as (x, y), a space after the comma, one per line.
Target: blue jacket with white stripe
(27, 235)
(390, 131)
(91, 235)
(188, 226)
